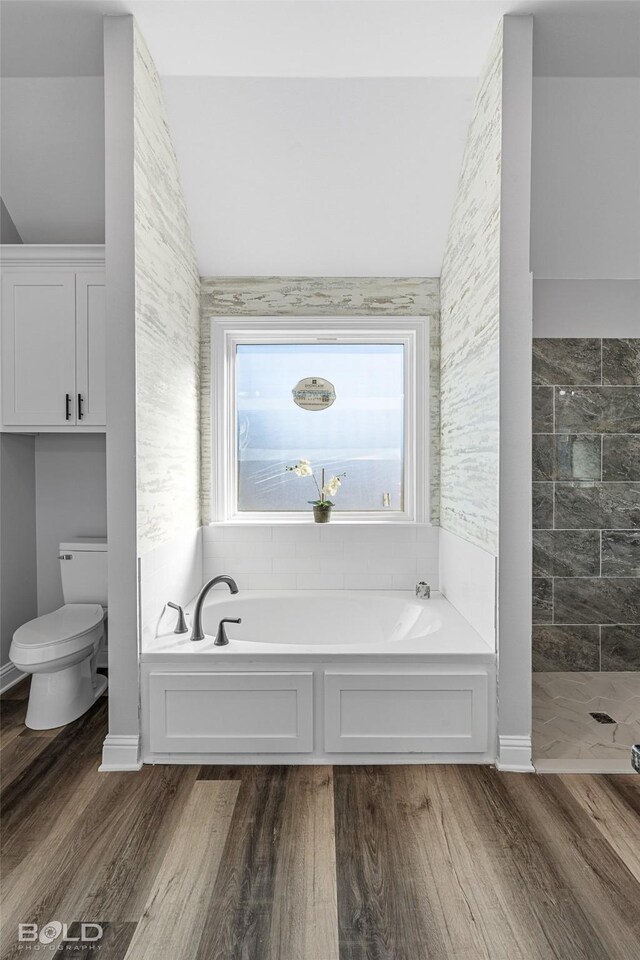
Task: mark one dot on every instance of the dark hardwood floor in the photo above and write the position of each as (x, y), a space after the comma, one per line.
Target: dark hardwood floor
(312, 863)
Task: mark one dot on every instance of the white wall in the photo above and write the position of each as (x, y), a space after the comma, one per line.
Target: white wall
(514, 526)
(8, 230)
(18, 597)
(121, 746)
(586, 178)
(71, 501)
(52, 157)
(586, 308)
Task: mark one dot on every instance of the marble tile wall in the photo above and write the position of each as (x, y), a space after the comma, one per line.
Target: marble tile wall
(586, 504)
(319, 297)
(167, 325)
(470, 326)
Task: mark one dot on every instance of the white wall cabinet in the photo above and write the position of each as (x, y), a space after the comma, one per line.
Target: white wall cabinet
(53, 333)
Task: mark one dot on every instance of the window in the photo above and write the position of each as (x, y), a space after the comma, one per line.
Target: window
(346, 395)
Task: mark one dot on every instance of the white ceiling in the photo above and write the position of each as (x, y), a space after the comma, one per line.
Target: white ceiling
(312, 38)
(319, 177)
(313, 136)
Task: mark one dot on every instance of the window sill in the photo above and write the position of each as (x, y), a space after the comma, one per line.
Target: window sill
(310, 522)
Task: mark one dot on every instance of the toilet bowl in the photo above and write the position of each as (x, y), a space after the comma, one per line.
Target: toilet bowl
(60, 649)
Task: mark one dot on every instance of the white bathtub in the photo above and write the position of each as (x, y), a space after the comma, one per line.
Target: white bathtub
(325, 621)
(321, 677)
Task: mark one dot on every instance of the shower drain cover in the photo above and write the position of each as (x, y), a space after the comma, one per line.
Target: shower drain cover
(602, 717)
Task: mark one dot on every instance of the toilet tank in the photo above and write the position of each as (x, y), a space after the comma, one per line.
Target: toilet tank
(83, 569)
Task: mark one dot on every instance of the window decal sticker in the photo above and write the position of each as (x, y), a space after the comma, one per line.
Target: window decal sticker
(314, 393)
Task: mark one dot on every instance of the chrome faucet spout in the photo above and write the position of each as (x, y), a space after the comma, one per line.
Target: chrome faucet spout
(197, 632)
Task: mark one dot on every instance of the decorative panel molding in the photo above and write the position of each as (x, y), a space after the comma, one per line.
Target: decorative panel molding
(231, 712)
(405, 712)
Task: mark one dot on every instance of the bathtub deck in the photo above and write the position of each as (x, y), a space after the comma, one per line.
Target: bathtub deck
(314, 863)
(456, 638)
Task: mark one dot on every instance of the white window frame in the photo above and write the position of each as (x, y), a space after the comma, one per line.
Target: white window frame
(228, 332)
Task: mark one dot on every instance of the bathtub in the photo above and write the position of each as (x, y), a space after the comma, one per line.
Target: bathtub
(320, 677)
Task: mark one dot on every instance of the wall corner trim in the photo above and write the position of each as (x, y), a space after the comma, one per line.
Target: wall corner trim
(514, 754)
(120, 752)
(9, 677)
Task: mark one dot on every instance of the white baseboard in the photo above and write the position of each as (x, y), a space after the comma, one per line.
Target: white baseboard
(567, 765)
(120, 752)
(9, 677)
(514, 753)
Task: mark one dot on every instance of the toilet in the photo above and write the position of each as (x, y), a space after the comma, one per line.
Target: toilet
(60, 649)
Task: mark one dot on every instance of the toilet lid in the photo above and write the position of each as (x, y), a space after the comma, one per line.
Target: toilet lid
(71, 621)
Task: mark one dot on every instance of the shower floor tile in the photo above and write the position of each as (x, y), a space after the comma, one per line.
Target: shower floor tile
(564, 731)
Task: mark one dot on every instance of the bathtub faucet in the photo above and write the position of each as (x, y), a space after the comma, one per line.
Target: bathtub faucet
(196, 633)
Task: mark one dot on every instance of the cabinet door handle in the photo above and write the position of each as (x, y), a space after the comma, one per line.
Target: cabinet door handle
(67, 413)
(80, 411)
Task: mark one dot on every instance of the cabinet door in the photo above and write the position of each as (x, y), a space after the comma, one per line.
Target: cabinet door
(91, 349)
(38, 348)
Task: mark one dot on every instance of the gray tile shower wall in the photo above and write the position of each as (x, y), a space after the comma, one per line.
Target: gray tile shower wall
(586, 504)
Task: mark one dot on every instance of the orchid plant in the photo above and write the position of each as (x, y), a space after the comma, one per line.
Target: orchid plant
(325, 489)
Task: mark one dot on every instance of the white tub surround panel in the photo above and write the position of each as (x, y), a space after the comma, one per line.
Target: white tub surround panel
(320, 297)
(322, 556)
(470, 326)
(167, 324)
(468, 581)
(172, 571)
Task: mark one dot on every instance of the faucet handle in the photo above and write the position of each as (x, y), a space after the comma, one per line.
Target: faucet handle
(222, 639)
(181, 625)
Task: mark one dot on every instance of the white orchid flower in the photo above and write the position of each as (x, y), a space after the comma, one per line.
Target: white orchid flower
(302, 468)
(332, 486)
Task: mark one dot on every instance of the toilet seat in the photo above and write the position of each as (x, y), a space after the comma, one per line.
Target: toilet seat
(70, 629)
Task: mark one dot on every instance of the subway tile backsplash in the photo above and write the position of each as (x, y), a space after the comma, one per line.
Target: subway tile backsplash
(586, 504)
(323, 556)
